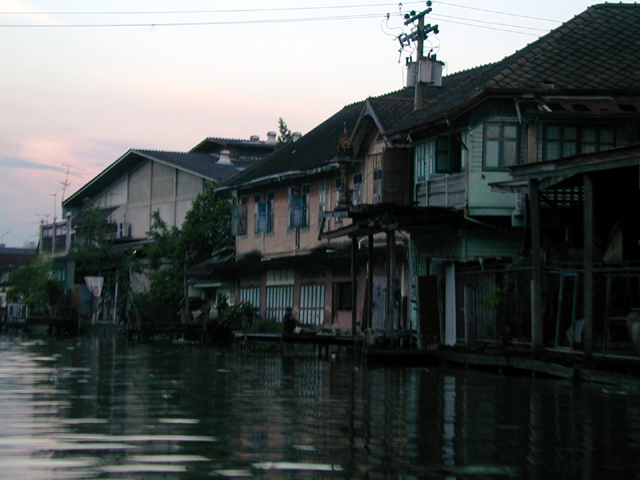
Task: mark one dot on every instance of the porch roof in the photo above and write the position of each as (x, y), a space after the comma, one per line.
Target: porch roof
(256, 263)
(552, 172)
(371, 219)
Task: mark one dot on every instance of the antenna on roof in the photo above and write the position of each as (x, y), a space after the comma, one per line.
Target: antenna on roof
(65, 183)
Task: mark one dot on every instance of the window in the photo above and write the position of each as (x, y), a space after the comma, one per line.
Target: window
(564, 140)
(312, 304)
(357, 180)
(440, 155)
(322, 195)
(377, 178)
(337, 191)
(299, 208)
(447, 154)
(342, 295)
(263, 214)
(356, 193)
(239, 218)
(270, 210)
(421, 156)
(500, 145)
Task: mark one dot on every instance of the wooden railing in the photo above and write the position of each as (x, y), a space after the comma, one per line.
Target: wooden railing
(444, 191)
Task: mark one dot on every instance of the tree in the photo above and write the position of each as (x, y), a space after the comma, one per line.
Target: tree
(163, 265)
(284, 135)
(207, 228)
(93, 249)
(33, 284)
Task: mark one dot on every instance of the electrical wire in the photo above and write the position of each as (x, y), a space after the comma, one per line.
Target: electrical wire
(496, 12)
(189, 24)
(252, 10)
(440, 16)
(445, 18)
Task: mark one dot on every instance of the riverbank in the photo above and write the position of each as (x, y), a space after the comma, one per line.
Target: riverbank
(618, 370)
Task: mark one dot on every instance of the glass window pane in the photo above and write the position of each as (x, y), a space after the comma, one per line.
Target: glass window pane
(553, 133)
(492, 154)
(552, 151)
(570, 133)
(509, 154)
(443, 144)
(589, 135)
(510, 131)
(588, 148)
(606, 136)
(569, 148)
(493, 131)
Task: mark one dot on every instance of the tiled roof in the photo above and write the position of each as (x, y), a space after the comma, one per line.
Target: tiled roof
(597, 51)
(200, 164)
(391, 108)
(312, 151)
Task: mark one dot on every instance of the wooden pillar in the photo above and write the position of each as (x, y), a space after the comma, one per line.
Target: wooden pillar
(589, 223)
(387, 310)
(370, 280)
(354, 285)
(537, 331)
(393, 312)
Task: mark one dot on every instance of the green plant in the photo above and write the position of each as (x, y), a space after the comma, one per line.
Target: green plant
(265, 326)
(239, 316)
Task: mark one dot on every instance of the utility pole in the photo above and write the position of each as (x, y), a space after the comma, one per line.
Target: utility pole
(418, 35)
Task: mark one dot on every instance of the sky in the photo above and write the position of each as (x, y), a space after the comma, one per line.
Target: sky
(83, 82)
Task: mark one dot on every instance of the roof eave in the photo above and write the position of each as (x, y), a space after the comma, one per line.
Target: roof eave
(333, 165)
(97, 179)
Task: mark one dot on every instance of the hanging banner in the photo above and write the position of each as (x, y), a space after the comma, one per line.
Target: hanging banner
(94, 284)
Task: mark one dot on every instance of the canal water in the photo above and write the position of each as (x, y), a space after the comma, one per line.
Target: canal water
(100, 408)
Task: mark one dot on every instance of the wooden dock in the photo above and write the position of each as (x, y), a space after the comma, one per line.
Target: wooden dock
(50, 325)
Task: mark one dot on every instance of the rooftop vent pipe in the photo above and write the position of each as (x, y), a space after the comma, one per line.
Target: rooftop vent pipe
(224, 157)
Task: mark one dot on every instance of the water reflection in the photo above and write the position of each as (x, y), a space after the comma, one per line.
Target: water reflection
(99, 408)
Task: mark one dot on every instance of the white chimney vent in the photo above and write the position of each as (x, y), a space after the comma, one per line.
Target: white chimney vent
(295, 136)
(224, 157)
(271, 138)
(254, 138)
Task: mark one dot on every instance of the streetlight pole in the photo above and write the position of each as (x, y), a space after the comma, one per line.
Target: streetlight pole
(2, 238)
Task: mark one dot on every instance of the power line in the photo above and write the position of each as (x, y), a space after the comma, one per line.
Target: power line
(497, 12)
(446, 18)
(244, 10)
(439, 16)
(459, 21)
(188, 24)
(280, 9)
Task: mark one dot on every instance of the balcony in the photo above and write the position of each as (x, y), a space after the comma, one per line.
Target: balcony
(443, 191)
(54, 237)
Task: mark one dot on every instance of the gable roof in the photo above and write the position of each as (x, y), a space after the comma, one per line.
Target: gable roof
(315, 151)
(199, 164)
(597, 52)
